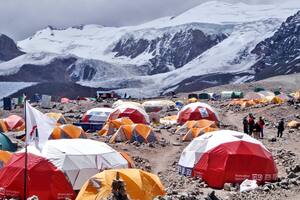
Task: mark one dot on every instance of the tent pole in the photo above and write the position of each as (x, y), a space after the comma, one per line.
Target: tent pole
(26, 154)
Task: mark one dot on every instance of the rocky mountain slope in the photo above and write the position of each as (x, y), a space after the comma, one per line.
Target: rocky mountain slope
(280, 54)
(214, 43)
(8, 48)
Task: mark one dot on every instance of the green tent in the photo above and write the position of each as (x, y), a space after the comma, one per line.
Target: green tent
(258, 89)
(204, 95)
(6, 144)
(237, 95)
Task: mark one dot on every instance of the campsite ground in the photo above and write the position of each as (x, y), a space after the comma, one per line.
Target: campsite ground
(161, 158)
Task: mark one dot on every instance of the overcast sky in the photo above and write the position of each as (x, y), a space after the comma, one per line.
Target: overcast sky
(22, 18)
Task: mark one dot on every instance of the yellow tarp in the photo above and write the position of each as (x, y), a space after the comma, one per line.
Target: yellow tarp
(139, 185)
(293, 124)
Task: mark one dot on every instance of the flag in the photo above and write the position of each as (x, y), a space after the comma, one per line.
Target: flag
(38, 127)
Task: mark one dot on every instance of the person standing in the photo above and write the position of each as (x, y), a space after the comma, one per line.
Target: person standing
(280, 127)
(256, 130)
(245, 125)
(261, 123)
(251, 123)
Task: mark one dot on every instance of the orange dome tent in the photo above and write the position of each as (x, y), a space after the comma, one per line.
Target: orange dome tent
(192, 129)
(14, 123)
(112, 126)
(67, 131)
(3, 127)
(5, 157)
(134, 132)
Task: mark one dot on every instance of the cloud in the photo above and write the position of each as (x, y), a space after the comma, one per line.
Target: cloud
(21, 18)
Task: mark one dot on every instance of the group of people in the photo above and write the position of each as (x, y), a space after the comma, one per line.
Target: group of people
(254, 127)
(257, 127)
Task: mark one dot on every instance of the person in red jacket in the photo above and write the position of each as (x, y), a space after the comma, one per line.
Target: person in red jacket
(261, 123)
(251, 123)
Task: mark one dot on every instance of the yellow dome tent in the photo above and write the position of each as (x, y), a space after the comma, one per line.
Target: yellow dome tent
(139, 185)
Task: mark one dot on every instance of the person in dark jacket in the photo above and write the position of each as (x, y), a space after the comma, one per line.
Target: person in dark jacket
(256, 130)
(245, 124)
(280, 128)
(251, 123)
(261, 123)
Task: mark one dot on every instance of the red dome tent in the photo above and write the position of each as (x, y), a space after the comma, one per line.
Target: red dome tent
(197, 111)
(227, 157)
(136, 114)
(43, 179)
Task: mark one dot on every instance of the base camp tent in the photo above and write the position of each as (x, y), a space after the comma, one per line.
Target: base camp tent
(6, 144)
(80, 159)
(14, 123)
(112, 126)
(158, 105)
(196, 111)
(58, 117)
(43, 179)
(5, 157)
(3, 127)
(132, 103)
(136, 114)
(227, 157)
(135, 132)
(138, 185)
(96, 115)
(192, 129)
(67, 131)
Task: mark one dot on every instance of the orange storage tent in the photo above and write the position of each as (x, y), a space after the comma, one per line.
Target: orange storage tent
(112, 126)
(192, 129)
(135, 132)
(67, 131)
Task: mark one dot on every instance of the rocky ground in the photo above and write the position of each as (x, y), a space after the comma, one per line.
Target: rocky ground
(161, 157)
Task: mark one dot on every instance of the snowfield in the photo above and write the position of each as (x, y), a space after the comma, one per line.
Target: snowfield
(8, 88)
(246, 26)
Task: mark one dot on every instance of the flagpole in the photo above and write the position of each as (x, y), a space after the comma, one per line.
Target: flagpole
(26, 154)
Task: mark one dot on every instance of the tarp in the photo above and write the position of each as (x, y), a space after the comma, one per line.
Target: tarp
(169, 120)
(80, 159)
(44, 180)
(196, 111)
(227, 157)
(135, 132)
(138, 185)
(58, 117)
(293, 124)
(6, 144)
(67, 131)
(112, 126)
(192, 129)
(136, 114)
(96, 115)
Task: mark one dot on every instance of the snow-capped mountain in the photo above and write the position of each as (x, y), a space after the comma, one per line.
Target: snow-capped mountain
(213, 43)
